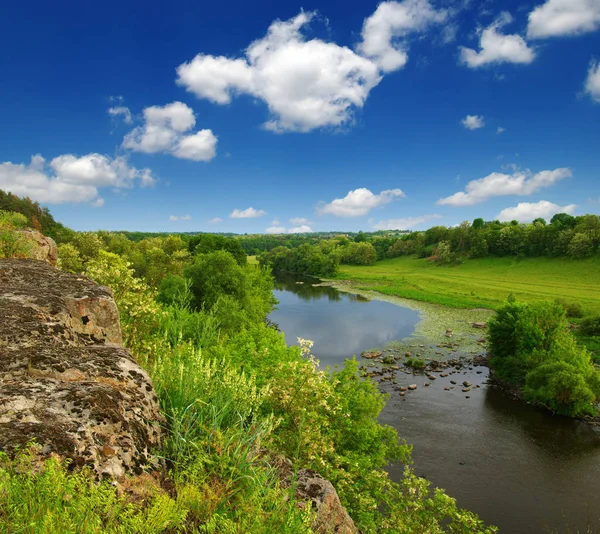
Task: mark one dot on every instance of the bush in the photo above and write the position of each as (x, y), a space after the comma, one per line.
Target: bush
(590, 326)
(12, 243)
(573, 309)
(532, 347)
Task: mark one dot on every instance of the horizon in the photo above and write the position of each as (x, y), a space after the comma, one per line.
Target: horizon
(301, 118)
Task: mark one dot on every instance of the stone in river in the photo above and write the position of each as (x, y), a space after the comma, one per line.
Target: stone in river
(412, 387)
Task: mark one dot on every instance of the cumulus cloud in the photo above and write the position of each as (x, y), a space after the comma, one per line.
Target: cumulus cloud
(303, 229)
(310, 84)
(384, 33)
(69, 178)
(592, 83)
(121, 111)
(275, 230)
(358, 202)
(496, 47)
(473, 122)
(500, 130)
(180, 218)
(526, 211)
(557, 18)
(249, 213)
(500, 184)
(166, 129)
(216, 220)
(405, 223)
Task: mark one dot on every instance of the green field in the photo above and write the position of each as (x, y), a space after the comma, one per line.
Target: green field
(483, 282)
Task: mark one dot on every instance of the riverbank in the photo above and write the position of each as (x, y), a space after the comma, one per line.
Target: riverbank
(480, 283)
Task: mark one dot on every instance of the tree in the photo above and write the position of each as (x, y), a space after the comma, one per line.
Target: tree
(563, 221)
(478, 224)
(581, 246)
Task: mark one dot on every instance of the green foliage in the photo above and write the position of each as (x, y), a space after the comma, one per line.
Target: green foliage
(572, 309)
(581, 246)
(239, 296)
(50, 499)
(315, 260)
(415, 363)
(443, 253)
(37, 217)
(206, 243)
(13, 244)
(532, 347)
(69, 258)
(590, 326)
(359, 253)
(175, 290)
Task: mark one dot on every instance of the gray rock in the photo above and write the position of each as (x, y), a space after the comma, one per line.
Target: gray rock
(65, 379)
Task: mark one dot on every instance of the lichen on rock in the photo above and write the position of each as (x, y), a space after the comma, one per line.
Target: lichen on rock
(66, 381)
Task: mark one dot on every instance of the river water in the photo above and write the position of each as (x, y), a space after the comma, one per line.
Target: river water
(518, 467)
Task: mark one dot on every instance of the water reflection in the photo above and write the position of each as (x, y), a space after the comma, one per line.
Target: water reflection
(340, 324)
(309, 288)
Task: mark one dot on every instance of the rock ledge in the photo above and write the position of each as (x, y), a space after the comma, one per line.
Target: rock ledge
(65, 379)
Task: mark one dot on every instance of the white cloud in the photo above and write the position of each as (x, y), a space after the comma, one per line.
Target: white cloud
(166, 129)
(473, 122)
(302, 229)
(405, 223)
(497, 47)
(500, 184)
(557, 18)
(216, 220)
(526, 211)
(275, 230)
(249, 213)
(310, 84)
(69, 178)
(299, 221)
(180, 218)
(121, 111)
(358, 202)
(500, 130)
(384, 33)
(592, 83)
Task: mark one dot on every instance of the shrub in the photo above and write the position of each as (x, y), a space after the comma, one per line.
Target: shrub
(12, 243)
(573, 309)
(590, 326)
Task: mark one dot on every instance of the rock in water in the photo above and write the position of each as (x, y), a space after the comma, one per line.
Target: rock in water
(65, 379)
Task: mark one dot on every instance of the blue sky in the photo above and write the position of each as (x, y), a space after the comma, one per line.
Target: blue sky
(283, 116)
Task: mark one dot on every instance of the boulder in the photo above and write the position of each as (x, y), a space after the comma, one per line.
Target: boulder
(317, 492)
(42, 248)
(66, 381)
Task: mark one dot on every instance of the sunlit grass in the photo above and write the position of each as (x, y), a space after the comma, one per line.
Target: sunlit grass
(483, 282)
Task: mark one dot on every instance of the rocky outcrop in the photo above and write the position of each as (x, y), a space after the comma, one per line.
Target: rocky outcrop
(313, 490)
(42, 248)
(65, 379)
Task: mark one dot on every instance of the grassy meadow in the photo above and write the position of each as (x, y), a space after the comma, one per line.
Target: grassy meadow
(485, 282)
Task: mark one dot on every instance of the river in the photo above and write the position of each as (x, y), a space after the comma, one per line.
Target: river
(517, 467)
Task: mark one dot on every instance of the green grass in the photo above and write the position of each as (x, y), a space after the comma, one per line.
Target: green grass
(484, 282)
